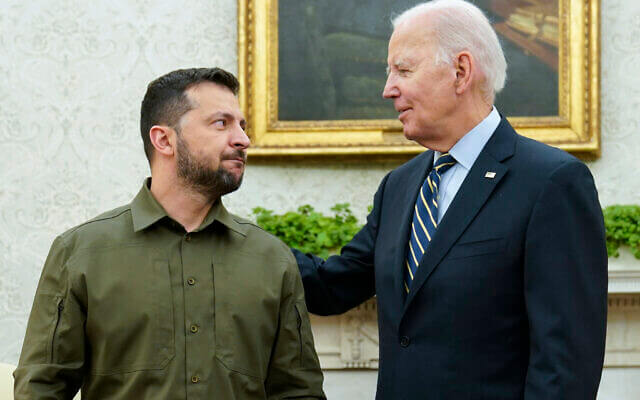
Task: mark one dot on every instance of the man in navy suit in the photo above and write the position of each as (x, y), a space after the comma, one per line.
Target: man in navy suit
(486, 252)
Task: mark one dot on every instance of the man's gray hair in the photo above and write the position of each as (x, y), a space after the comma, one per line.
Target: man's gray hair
(457, 26)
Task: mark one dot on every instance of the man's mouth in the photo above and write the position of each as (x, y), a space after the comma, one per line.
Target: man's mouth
(239, 156)
(402, 112)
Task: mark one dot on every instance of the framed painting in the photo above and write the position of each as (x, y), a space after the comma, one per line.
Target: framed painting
(312, 74)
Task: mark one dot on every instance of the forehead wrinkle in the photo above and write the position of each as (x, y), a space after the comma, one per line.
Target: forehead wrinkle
(226, 114)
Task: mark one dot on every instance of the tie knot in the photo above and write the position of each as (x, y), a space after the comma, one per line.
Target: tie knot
(443, 163)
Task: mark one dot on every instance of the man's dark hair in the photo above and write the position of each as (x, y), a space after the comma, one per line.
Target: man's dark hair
(166, 101)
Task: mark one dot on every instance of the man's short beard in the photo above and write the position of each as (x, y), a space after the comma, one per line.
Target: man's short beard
(200, 177)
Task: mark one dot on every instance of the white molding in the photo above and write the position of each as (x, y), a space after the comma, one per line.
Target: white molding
(350, 340)
(624, 281)
(624, 273)
(623, 331)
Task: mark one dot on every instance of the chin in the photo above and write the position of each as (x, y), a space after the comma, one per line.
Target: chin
(234, 173)
(409, 133)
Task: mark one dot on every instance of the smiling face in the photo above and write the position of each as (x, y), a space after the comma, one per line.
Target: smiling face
(211, 144)
(422, 90)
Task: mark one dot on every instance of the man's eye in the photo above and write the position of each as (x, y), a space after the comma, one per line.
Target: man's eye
(220, 123)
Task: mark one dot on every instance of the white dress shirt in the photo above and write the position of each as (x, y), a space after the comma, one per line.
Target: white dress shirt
(465, 152)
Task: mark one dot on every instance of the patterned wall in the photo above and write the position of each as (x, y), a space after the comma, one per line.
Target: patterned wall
(72, 74)
(616, 172)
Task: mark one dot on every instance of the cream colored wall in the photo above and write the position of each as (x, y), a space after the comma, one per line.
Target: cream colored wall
(72, 74)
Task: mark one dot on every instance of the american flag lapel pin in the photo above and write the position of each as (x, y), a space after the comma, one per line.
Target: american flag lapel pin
(490, 175)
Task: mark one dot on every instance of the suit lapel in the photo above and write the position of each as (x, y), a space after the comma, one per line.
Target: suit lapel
(473, 193)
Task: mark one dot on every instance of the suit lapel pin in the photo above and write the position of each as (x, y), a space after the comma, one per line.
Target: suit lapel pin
(490, 175)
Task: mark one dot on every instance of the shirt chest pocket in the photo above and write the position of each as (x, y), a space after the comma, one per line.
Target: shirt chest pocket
(130, 317)
(246, 305)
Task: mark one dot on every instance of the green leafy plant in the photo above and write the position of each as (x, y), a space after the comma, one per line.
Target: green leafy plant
(623, 228)
(310, 231)
(313, 232)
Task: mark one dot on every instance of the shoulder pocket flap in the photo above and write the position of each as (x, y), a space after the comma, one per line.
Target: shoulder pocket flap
(306, 351)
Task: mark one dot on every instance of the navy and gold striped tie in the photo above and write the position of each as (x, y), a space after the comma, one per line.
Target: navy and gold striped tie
(425, 217)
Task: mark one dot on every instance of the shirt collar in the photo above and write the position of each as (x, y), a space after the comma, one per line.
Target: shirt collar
(146, 211)
(467, 149)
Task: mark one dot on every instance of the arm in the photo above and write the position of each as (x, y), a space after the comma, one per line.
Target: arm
(294, 370)
(52, 355)
(565, 284)
(342, 282)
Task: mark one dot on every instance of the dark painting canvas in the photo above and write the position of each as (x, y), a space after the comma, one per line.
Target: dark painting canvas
(332, 57)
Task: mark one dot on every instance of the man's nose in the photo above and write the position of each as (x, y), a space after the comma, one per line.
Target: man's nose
(240, 139)
(390, 89)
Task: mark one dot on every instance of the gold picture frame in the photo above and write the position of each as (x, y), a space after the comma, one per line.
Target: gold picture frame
(575, 128)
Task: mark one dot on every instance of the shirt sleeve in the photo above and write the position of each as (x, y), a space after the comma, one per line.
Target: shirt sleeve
(565, 279)
(294, 370)
(53, 351)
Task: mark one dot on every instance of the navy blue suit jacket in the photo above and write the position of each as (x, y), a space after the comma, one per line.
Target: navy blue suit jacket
(510, 299)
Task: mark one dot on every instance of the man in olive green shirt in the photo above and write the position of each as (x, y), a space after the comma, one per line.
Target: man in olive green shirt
(172, 297)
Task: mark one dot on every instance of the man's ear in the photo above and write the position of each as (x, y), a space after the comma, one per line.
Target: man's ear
(464, 64)
(163, 139)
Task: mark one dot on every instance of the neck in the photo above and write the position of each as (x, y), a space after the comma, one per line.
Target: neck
(458, 125)
(184, 205)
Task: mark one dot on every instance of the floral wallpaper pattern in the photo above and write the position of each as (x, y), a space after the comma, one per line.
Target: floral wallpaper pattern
(73, 73)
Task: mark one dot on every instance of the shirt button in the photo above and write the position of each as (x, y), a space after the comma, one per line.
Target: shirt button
(187, 238)
(191, 281)
(404, 341)
(195, 379)
(194, 328)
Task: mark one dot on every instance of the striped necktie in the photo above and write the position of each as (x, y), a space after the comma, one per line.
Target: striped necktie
(425, 217)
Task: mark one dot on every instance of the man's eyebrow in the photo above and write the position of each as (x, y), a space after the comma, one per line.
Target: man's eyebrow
(225, 115)
(399, 64)
(220, 114)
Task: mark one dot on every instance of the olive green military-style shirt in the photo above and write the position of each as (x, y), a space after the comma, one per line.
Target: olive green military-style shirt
(131, 306)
